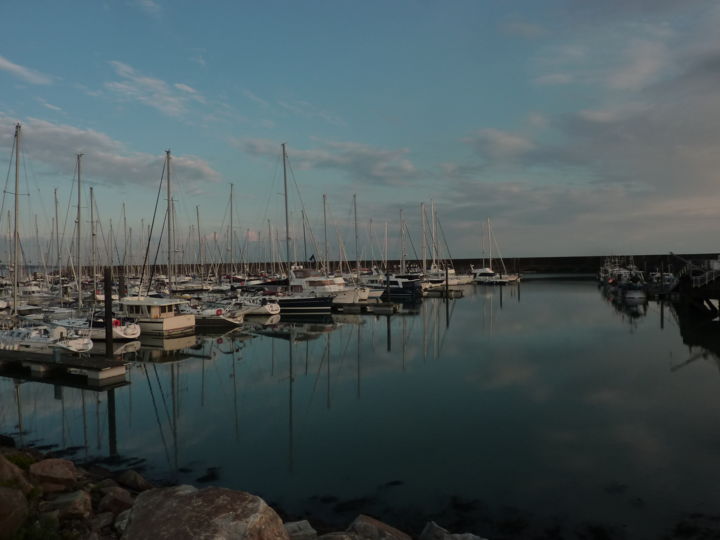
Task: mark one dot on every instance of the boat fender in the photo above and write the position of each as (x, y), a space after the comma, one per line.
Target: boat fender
(218, 311)
(219, 341)
(115, 322)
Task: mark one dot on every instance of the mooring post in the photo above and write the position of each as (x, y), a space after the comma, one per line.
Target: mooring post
(108, 313)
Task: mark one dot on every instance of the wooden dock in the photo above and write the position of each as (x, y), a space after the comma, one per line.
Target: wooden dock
(374, 308)
(96, 371)
(442, 292)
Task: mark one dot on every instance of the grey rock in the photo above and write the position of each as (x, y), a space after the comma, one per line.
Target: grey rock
(76, 504)
(121, 521)
(211, 513)
(339, 536)
(300, 530)
(101, 521)
(13, 511)
(133, 480)
(433, 531)
(115, 500)
(370, 528)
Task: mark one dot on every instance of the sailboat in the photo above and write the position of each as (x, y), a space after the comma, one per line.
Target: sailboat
(486, 275)
(160, 316)
(33, 339)
(303, 294)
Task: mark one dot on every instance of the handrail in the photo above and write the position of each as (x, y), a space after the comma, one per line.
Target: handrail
(707, 277)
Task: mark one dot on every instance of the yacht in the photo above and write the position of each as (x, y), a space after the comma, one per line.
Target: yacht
(159, 316)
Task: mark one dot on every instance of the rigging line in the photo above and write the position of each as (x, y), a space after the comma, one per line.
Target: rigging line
(447, 247)
(67, 209)
(412, 245)
(323, 359)
(7, 179)
(162, 394)
(152, 225)
(157, 415)
(157, 254)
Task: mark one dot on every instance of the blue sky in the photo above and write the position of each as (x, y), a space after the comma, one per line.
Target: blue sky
(578, 127)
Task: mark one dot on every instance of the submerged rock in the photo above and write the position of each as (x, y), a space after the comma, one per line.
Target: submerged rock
(372, 529)
(218, 513)
(300, 530)
(13, 511)
(133, 480)
(433, 531)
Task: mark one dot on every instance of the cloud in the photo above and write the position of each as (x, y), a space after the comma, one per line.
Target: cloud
(644, 61)
(106, 160)
(156, 93)
(524, 29)
(308, 110)
(25, 74)
(358, 161)
(497, 145)
(552, 79)
(253, 97)
(48, 105)
(149, 6)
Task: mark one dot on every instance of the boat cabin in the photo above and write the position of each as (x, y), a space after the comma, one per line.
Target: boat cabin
(151, 308)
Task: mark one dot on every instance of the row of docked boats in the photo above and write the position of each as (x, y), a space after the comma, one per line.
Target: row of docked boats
(626, 282)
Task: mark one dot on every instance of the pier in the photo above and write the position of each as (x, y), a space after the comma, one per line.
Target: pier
(98, 372)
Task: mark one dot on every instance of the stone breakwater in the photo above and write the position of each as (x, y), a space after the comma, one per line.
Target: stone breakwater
(52, 498)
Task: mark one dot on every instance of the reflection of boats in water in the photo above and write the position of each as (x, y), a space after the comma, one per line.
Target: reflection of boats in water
(299, 331)
(631, 305)
(159, 349)
(118, 349)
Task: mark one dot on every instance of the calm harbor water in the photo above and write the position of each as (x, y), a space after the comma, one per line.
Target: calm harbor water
(543, 411)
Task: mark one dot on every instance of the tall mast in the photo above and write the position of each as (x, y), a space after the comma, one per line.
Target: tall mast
(92, 238)
(387, 271)
(327, 256)
(424, 244)
(433, 248)
(357, 253)
(287, 215)
(57, 240)
(232, 253)
(200, 247)
(169, 222)
(16, 232)
(79, 264)
(489, 243)
(402, 243)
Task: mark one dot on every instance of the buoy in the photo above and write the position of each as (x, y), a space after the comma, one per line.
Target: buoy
(219, 341)
(218, 311)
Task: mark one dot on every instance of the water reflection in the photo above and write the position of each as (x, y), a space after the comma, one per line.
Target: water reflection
(490, 411)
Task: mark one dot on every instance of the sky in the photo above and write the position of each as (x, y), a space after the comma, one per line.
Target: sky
(577, 127)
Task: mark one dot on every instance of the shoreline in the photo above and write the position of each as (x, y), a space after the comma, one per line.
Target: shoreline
(43, 496)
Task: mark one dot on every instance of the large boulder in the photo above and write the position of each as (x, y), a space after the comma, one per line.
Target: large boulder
(13, 511)
(433, 531)
(54, 474)
(12, 476)
(372, 529)
(184, 512)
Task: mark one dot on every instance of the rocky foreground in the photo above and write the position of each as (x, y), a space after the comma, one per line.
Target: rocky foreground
(50, 498)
